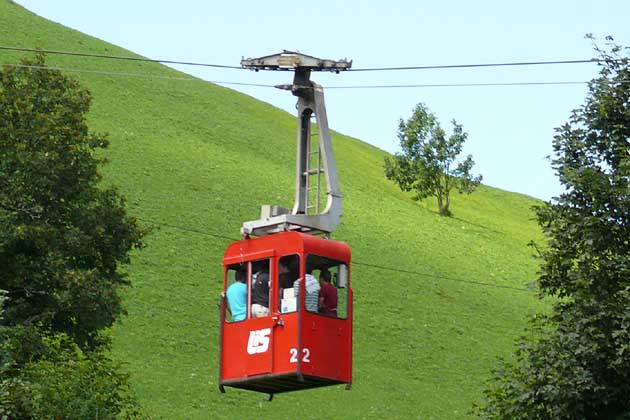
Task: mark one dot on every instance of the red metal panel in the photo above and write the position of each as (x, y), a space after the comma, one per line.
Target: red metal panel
(279, 243)
(325, 344)
(247, 348)
(350, 332)
(233, 350)
(326, 247)
(287, 243)
(243, 247)
(285, 343)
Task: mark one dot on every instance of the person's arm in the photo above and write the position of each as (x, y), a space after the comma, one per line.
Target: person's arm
(227, 303)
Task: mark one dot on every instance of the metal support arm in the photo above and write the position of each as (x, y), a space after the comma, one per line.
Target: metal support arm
(305, 216)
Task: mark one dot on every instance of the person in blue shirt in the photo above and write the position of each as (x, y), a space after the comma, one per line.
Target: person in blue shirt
(237, 297)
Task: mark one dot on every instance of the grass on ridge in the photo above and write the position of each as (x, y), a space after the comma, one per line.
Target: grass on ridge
(203, 158)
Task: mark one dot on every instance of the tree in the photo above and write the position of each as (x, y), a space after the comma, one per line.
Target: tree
(578, 367)
(62, 236)
(427, 165)
(62, 382)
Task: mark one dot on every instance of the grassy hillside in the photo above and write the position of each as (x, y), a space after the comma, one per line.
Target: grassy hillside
(196, 160)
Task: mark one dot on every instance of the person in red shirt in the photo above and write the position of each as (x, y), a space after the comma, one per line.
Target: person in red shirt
(327, 294)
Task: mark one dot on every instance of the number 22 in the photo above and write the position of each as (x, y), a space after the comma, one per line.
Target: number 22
(306, 354)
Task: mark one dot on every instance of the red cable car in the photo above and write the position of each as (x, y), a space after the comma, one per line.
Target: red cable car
(296, 345)
(286, 313)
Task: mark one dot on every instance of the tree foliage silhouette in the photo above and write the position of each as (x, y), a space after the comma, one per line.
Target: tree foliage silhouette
(578, 366)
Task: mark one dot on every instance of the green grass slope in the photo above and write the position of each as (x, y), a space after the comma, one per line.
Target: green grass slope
(196, 160)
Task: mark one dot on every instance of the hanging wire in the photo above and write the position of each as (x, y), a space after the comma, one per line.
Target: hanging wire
(118, 57)
(372, 69)
(467, 66)
(393, 86)
(380, 267)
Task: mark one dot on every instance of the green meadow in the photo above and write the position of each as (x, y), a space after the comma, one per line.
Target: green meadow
(195, 160)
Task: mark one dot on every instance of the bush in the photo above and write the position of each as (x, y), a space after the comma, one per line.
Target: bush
(63, 383)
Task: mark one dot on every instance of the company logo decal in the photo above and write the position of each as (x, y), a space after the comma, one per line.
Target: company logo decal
(258, 341)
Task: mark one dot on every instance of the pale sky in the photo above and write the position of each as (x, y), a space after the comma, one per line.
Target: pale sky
(510, 128)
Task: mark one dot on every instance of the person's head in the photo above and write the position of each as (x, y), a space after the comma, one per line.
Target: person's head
(324, 275)
(241, 275)
(262, 277)
(283, 268)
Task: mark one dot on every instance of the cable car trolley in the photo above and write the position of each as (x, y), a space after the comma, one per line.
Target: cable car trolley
(286, 311)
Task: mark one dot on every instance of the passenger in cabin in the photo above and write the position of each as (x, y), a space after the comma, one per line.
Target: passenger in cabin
(288, 268)
(327, 294)
(237, 296)
(312, 292)
(260, 294)
(285, 277)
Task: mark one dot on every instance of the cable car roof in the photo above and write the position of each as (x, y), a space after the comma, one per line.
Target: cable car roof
(285, 243)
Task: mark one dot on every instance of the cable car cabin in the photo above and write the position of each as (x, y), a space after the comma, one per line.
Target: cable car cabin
(280, 333)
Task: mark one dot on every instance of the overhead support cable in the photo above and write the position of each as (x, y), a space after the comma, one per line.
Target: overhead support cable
(235, 83)
(118, 57)
(380, 267)
(140, 75)
(467, 66)
(373, 69)
(441, 85)
(441, 277)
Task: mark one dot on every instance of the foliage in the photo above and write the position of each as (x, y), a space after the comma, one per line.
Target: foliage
(579, 367)
(61, 237)
(427, 165)
(65, 382)
(3, 298)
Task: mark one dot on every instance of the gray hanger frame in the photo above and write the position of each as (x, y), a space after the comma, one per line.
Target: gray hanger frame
(310, 101)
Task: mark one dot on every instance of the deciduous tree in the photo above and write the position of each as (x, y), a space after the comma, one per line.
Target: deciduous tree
(62, 236)
(427, 163)
(578, 366)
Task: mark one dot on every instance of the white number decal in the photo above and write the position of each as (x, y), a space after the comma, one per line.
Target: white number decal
(293, 358)
(306, 355)
(258, 341)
